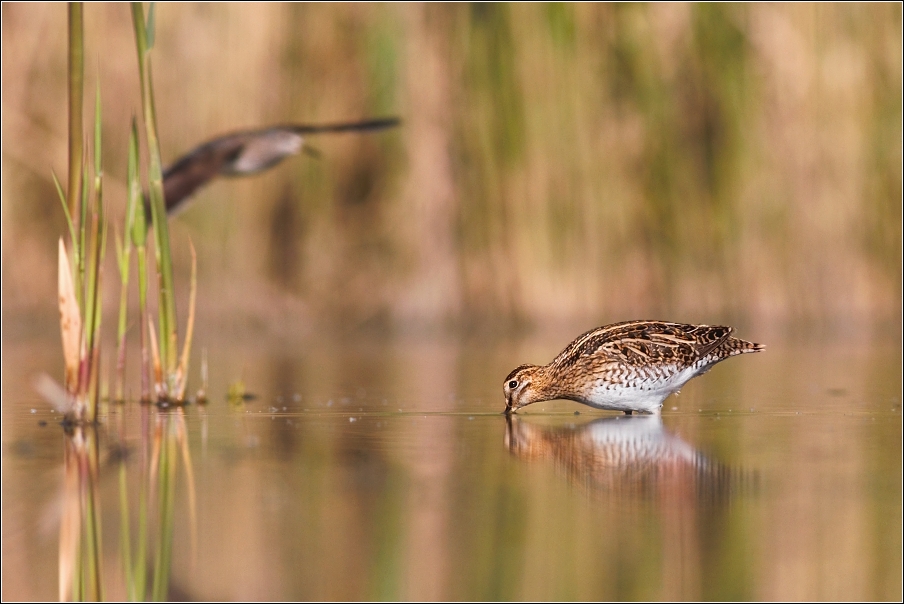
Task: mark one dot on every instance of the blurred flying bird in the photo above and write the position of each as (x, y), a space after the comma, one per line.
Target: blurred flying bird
(247, 152)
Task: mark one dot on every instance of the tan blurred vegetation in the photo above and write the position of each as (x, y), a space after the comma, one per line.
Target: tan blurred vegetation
(584, 163)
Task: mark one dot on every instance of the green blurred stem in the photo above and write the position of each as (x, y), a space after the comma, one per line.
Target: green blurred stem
(140, 573)
(125, 539)
(141, 567)
(93, 587)
(166, 506)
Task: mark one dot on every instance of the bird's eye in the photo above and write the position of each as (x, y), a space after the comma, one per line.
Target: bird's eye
(513, 384)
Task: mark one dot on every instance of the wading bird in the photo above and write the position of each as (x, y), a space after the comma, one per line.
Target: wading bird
(631, 366)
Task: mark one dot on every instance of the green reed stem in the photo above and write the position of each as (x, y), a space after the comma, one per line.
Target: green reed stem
(78, 277)
(143, 323)
(76, 187)
(167, 307)
(139, 235)
(76, 85)
(91, 282)
(98, 302)
(100, 251)
(124, 255)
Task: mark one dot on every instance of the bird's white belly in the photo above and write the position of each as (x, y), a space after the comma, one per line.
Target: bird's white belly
(640, 393)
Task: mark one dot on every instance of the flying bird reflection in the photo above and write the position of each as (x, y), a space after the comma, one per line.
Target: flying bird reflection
(634, 456)
(245, 153)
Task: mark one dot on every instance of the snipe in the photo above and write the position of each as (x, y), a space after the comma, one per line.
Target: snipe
(631, 366)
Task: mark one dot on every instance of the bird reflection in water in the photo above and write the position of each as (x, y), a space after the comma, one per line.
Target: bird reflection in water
(625, 456)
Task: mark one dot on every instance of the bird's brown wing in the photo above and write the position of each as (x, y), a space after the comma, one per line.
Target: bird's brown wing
(197, 168)
(645, 343)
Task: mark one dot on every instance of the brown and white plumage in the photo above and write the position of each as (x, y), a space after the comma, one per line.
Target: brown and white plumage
(630, 366)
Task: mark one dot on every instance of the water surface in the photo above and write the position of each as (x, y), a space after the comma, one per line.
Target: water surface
(378, 469)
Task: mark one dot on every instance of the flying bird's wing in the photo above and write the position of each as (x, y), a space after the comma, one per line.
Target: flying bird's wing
(244, 153)
(197, 168)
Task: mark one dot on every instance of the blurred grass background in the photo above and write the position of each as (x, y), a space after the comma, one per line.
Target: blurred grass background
(557, 163)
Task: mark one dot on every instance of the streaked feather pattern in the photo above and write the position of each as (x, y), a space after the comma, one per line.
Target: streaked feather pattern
(630, 366)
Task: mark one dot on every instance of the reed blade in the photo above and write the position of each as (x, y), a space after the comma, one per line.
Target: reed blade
(70, 321)
(155, 357)
(190, 327)
(59, 188)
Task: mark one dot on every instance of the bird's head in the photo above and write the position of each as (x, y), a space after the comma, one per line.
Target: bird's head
(521, 387)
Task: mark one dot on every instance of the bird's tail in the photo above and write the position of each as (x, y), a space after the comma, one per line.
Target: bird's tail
(735, 346)
(375, 124)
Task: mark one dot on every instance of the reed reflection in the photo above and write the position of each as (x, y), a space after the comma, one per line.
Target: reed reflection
(80, 556)
(147, 514)
(624, 456)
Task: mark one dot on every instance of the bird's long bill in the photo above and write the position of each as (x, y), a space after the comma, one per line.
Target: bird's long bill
(509, 408)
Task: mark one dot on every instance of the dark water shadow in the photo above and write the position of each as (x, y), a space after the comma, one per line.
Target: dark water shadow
(634, 457)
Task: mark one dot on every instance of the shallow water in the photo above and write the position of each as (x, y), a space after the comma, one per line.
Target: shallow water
(384, 470)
